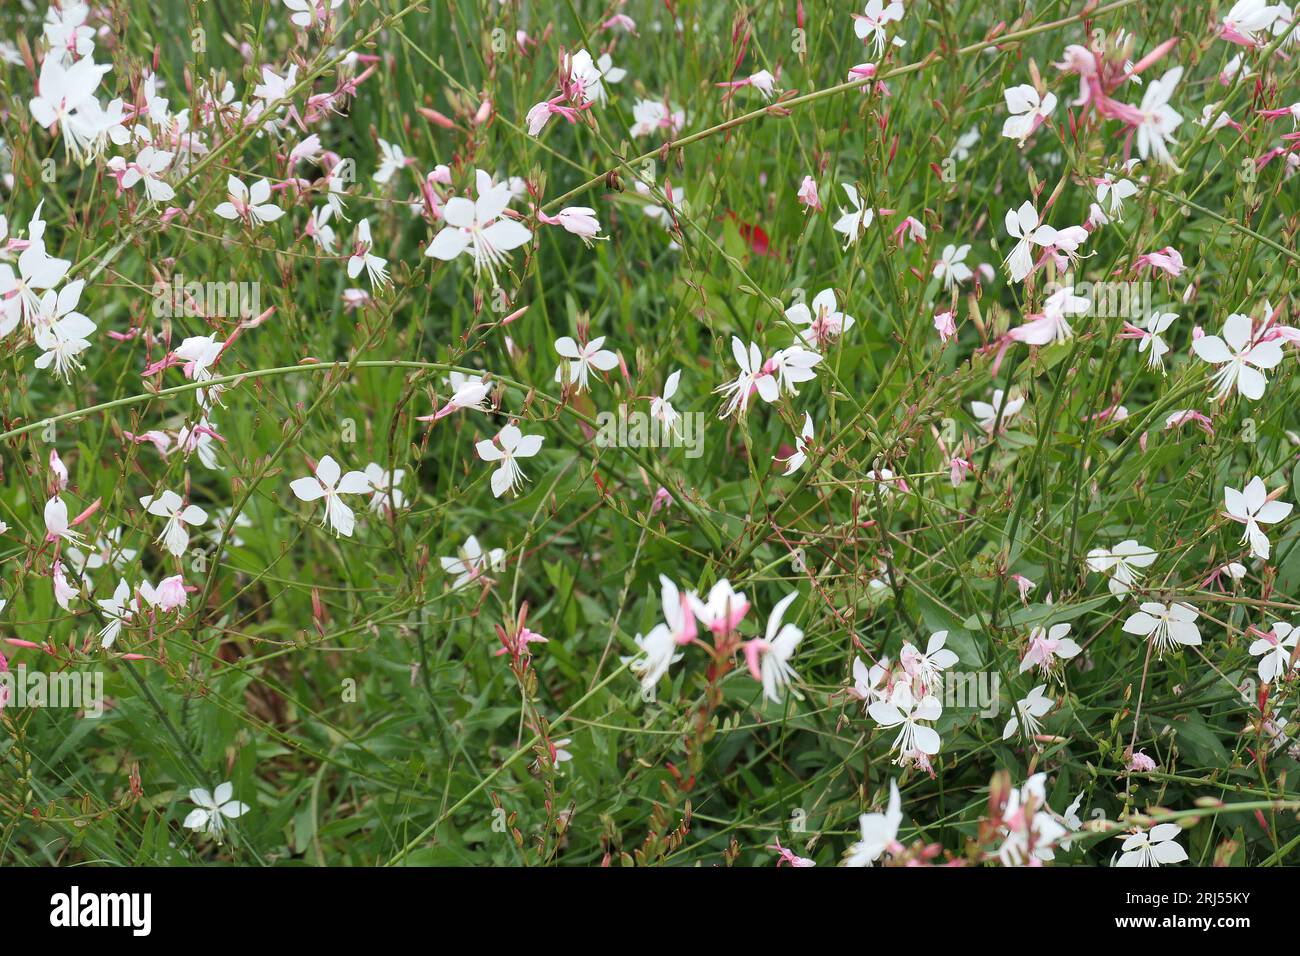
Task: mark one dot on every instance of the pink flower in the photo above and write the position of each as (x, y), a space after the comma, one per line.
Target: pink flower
(959, 469)
(945, 325)
(171, 593)
(1167, 260)
(1141, 763)
(808, 194)
(786, 855)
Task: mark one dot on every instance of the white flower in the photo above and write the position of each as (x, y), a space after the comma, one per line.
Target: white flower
(1047, 646)
(856, 221)
(1111, 193)
(582, 360)
(329, 482)
(986, 414)
(658, 652)
(175, 536)
(793, 365)
(1166, 625)
(479, 227)
(1154, 848)
(391, 159)
(928, 667)
(1027, 110)
(362, 258)
(471, 562)
(754, 377)
(118, 610)
(1028, 823)
(951, 267)
(1159, 119)
(250, 205)
(1275, 651)
(213, 810)
(583, 77)
(871, 22)
(661, 409)
(879, 832)
(67, 97)
(1156, 325)
(651, 115)
(1241, 358)
(824, 320)
(1052, 325)
(1028, 230)
(904, 711)
(387, 495)
(62, 338)
(1121, 563)
(1028, 710)
(768, 659)
(1251, 507)
(802, 444)
(509, 445)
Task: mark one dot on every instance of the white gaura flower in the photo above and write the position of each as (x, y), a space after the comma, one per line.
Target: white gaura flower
(1031, 831)
(149, 163)
(63, 340)
(1241, 358)
(1027, 713)
(1159, 119)
(927, 668)
(583, 85)
(650, 116)
(871, 683)
(582, 359)
(824, 320)
(1047, 646)
(754, 377)
(213, 809)
(479, 227)
(309, 13)
(66, 96)
(658, 653)
(1154, 848)
(658, 647)
(793, 365)
(904, 711)
(472, 562)
(951, 267)
(856, 221)
(329, 482)
(118, 609)
(509, 445)
(362, 258)
(986, 414)
(1150, 341)
(57, 524)
(1053, 324)
(21, 292)
(1028, 230)
(175, 536)
(319, 229)
(1028, 111)
(391, 159)
(1251, 507)
(870, 24)
(387, 495)
(466, 392)
(1166, 626)
(802, 444)
(768, 657)
(1122, 563)
(661, 409)
(1112, 192)
(722, 611)
(879, 832)
(1276, 651)
(249, 205)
